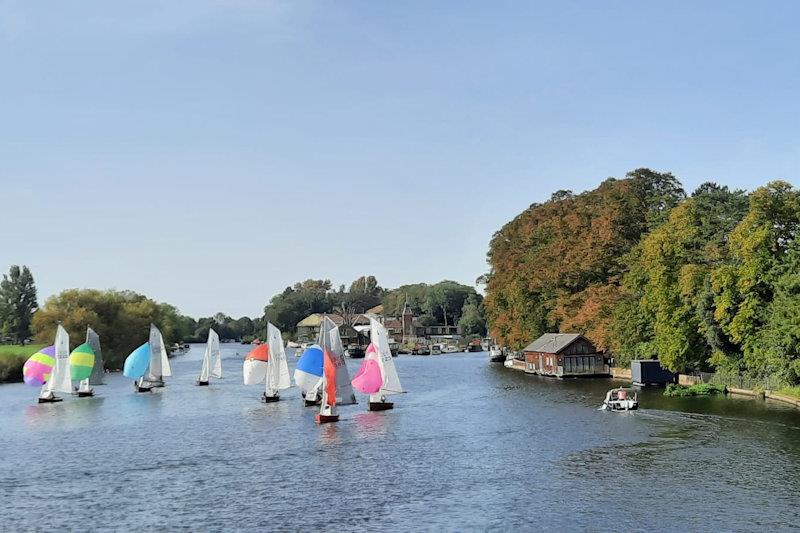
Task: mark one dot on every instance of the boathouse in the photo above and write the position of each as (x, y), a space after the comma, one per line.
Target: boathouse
(565, 355)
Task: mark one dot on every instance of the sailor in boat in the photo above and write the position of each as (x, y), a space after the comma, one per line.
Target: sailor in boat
(621, 399)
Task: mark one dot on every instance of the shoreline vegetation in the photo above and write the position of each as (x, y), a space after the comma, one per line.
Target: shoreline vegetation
(12, 357)
(706, 282)
(121, 317)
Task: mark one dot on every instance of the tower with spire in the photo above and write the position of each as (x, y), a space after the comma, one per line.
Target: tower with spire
(408, 322)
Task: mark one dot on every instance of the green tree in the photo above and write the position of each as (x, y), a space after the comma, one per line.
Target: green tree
(472, 321)
(17, 303)
(121, 318)
(745, 288)
(779, 339)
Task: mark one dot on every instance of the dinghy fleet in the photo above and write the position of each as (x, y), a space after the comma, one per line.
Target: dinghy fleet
(321, 373)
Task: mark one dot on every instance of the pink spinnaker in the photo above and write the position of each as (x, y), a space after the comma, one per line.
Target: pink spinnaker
(368, 379)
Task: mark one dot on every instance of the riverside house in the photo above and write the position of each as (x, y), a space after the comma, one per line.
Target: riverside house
(308, 328)
(565, 355)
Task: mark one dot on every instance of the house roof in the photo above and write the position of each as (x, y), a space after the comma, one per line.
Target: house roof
(552, 342)
(377, 310)
(315, 319)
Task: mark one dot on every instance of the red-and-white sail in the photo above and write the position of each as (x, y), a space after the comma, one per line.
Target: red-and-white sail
(337, 389)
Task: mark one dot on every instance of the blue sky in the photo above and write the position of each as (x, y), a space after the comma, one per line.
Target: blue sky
(208, 154)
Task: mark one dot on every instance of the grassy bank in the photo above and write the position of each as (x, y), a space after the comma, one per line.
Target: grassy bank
(12, 357)
(793, 392)
(700, 389)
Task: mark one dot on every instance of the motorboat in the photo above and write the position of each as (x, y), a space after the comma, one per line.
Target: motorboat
(496, 354)
(621, 399)
(436, 349)
(354, 351)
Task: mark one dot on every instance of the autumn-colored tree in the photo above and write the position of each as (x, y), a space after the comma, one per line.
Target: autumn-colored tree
(558, 265)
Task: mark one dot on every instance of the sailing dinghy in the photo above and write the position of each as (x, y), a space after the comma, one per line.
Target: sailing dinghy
(277, 378)
(336, 387)
(308, 375)
(60, 379)
(377, 375)
(267, 363)
(212, 360)
(159, 362)
(81, 365)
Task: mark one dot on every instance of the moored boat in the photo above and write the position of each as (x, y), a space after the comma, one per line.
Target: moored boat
(496, 354)
(621, 399)
(354, 351)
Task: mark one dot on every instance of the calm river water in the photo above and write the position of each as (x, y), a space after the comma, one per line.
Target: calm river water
(472, 446)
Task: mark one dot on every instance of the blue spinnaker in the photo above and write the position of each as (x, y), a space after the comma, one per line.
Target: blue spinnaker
(137, 362)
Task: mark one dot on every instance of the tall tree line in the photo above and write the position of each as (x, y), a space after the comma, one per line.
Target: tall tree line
(704, 282)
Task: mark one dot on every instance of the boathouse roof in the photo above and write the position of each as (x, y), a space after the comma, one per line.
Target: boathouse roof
(552, 342)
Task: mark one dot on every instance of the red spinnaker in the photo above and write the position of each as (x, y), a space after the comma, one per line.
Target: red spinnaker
(330, 378)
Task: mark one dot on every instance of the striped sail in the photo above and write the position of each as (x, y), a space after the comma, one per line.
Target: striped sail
(39, 367)
(81, 362)
(99, 370)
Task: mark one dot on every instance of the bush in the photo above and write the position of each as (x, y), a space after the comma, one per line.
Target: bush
(700, 389)
(11, 360)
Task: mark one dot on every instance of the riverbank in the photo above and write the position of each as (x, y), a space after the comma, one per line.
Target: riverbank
(12, 358)
(787, 395)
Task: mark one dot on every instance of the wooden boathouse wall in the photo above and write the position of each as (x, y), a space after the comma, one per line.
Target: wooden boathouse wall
(578, 358)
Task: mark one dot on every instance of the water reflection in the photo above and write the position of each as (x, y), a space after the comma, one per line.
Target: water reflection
(372, 424)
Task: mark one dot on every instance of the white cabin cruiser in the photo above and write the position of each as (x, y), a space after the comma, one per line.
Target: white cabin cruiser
(622, 399)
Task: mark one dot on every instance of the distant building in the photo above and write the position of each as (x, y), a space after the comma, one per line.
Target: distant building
(565, 355)
(308, 328)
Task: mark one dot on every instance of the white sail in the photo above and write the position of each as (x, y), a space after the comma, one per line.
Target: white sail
(61, 379)
(333, 344)
(205, 369)
(254, 372)
(159, 363)
(380, 339)
(166, 369)
(99, 370)
(278, 369)
(212, 352)
(215, 356)
(153, 373)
